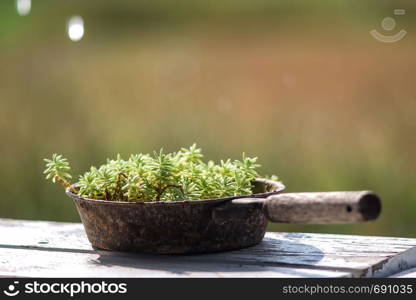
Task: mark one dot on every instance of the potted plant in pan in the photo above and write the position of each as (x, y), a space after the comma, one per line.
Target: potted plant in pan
(177, 203)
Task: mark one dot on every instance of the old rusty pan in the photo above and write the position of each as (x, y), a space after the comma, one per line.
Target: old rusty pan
(201, 226)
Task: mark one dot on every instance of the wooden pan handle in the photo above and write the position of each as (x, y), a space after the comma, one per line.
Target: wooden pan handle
(320, 208)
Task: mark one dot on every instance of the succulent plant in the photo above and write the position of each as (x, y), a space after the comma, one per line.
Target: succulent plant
(181, 175)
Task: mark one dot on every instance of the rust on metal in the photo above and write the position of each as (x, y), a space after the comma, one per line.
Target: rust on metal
(195, 226)
(200, 226)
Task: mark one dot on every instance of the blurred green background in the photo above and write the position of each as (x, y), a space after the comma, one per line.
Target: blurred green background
(300, 84)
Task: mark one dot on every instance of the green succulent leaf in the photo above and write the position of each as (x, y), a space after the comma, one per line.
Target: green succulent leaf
(178, 176)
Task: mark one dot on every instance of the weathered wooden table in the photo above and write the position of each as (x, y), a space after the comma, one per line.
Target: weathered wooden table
(52, 249)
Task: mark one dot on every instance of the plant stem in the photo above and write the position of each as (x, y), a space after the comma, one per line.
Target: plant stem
(65, 184)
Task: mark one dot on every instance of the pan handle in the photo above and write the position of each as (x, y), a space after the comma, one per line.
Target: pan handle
(322, 208)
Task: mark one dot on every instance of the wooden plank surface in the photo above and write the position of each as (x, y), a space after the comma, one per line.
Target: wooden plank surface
(36, 248)
(411, 273)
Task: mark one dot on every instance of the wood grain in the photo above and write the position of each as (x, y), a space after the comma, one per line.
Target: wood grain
(323, 207)
(37, 248)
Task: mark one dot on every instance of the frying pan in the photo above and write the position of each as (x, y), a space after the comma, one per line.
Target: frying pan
(200, 226)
